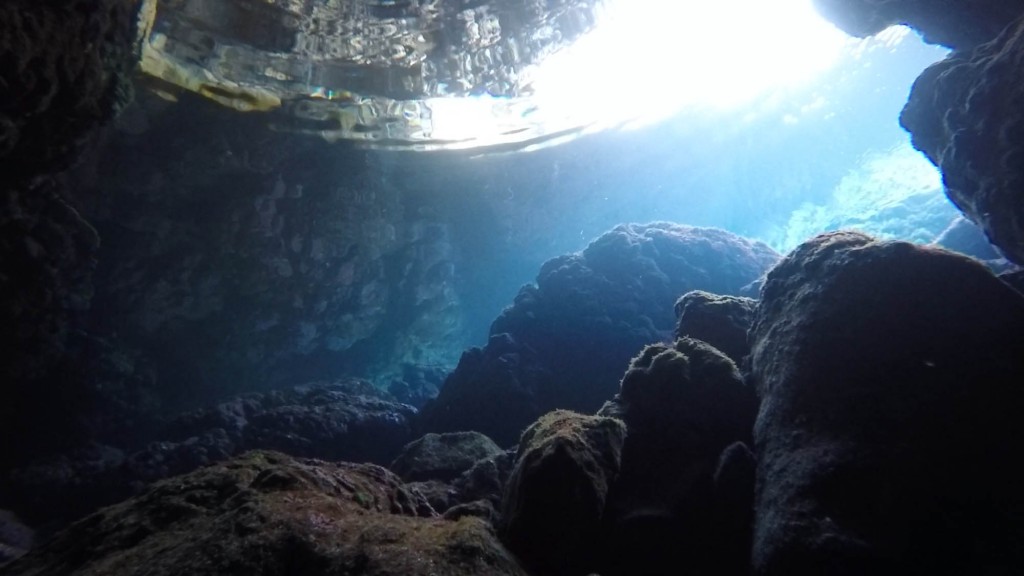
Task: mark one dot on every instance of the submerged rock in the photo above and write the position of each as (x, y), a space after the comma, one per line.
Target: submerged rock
(66, 69)
(266, 513)
(891, 381)
(556, 495)
(721, 321)
(344, 420)
(960, 24)
(964, 113)
(565, 341)
(682, 406)
(15, 537)
(442, 456)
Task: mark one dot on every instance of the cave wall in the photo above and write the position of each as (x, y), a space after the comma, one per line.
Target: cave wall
(963, 112)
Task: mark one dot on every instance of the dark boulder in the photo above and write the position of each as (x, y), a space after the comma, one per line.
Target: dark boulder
(493, 391)
(555, 498)
(721, 321)
(570, 335)
(265, 513)
(682, 406)
(442, 456)
(891, 377)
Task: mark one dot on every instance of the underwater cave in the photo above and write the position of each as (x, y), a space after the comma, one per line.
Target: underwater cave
(520, 287)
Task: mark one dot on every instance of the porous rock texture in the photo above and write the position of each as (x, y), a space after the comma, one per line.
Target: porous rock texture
(565, 341)
(442, 456)
(682, 406)
(343, 420)
(721, 321)
(891, 379)
(555, 498)
(265, 513)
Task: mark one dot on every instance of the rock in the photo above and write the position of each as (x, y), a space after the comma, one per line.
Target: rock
(343, 420)
(964, 237)
(442, 456)
(959, 25)
(418, 384)
(682, 406)
(890, 377)
(721, 321)
(54, 490)
(555, 498)
(482, 509)
(66, 68)
(1015, 279)
(963, 113)
(440, 495)
(731, 523)
(246, 259)
(486, 479)
(47, 256)
(493, 391)
(265, 513)
(570, 335)
(15, 538)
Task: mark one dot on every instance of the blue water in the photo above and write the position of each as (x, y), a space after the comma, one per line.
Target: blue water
(779, 169)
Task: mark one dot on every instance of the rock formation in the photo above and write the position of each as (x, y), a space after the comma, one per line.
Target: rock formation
(265, 513)
(565, 341)
(890, 380)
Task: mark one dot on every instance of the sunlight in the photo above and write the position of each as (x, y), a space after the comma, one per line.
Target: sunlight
(649, 58)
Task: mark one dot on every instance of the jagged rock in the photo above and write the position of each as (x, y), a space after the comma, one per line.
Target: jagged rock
(266, 513)
(964, 114)
(721, 321)
(682, 406)
(890, 379)
(570, 335)
(442, 456)
(555, 497)
(961, 25)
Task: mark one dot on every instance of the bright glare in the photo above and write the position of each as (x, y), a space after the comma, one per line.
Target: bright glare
(649, 58)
